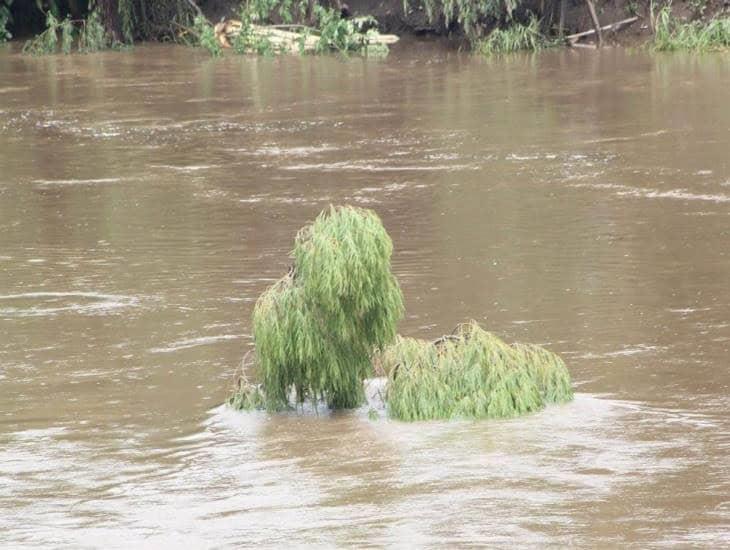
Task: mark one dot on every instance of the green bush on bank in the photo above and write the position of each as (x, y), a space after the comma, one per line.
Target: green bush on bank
(514, 38)
(205, 36)
(671, 34)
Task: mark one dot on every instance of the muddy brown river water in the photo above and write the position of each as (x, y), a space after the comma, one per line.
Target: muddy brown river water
(573, 199)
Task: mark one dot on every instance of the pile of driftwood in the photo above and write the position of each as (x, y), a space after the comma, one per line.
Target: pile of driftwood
(286, 38)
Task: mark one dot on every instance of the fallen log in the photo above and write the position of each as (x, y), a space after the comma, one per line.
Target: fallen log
(287, 38)
(573, 38)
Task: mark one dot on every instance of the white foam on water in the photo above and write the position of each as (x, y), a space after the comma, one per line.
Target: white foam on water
(91, 181)
(52, 303)
(627, 351)
(189, 168)
(681, 194)
(373, 166)
(686, 310)
(303, 151)
(194, 342)
(677, 194)
(11, 89)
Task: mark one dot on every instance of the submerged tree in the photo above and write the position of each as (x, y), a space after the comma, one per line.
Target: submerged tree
(316, 329)
(319, 329)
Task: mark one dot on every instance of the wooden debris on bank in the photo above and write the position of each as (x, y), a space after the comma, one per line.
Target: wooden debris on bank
(572, 39)
(286, 38)
(596, 22)
(226, 30)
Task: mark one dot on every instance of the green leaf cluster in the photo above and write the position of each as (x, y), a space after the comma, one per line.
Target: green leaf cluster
(342, 35)
(60, 34)
(468, 13)
(205, 34)
(93, 37)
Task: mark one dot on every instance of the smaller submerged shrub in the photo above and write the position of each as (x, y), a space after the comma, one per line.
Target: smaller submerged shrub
(471, 374)
(516, 37)
(671, 34)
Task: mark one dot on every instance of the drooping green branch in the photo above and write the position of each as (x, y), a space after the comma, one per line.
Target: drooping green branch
(88, 34)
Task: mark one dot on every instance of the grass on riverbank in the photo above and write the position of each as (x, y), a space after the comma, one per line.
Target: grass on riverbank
(671, 34)
(516, 37)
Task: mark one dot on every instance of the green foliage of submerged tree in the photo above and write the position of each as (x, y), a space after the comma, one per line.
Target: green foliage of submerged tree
(316, 329)
(471, 374)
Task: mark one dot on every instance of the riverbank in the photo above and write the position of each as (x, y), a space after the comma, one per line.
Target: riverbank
(486, 27)
(412, 18)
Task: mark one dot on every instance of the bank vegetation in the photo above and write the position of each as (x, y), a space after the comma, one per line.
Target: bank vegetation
(270, 27)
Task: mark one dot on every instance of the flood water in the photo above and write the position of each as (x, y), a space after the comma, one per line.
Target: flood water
(574, 199)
